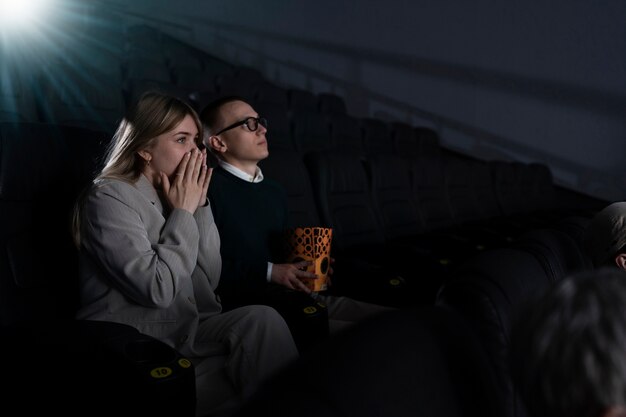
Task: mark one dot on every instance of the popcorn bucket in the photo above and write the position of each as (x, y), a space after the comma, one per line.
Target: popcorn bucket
(311, 244)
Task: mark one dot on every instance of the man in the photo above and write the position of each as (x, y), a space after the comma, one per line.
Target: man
(605, 237)
(569, 347)
(251, 215)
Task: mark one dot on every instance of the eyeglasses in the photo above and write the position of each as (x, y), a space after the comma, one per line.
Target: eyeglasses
(252, 123)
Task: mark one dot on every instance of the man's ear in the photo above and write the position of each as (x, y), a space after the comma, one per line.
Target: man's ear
(616, 411)
(217, 144)
(620, 261)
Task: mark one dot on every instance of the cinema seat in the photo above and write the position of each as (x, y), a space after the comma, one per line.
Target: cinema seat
(330, 103)
(376, 137)
(309, 131)
(300, 99)
(559, 253)
(487, 290)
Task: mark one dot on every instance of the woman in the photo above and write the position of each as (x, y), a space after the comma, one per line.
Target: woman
(144, 262)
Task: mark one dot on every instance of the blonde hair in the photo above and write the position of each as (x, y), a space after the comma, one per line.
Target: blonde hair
(153, 114)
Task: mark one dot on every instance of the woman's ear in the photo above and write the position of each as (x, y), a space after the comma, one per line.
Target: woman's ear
(145, 155)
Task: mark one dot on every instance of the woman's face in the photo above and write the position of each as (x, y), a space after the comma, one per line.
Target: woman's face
(169, 148)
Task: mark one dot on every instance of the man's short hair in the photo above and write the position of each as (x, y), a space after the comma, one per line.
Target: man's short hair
(568, 347)
(606, 234)
(211, 112)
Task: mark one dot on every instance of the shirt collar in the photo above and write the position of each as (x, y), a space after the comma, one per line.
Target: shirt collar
(258, 175)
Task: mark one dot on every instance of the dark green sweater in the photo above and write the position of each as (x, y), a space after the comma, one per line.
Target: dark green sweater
(251, 219)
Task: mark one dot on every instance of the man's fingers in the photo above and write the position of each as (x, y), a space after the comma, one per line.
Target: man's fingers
(300, 286)
(303, 264)
(301, 273)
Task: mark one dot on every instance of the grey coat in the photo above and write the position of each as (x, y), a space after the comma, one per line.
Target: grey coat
(147, 267)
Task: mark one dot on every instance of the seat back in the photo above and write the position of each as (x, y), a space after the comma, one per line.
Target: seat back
(542, 191)
(267, 92)
(39, 181)
(559, 254)
(405, 140)
(216, 66)
(287, 168)
(430, 191)
(376, 137)
(484, 191)
(507, 181)
(310, 131)
(345, 132)
(575, 227)
(391, 190)
(429, 144)
(241, 82)
(344, 199)
(460, 191)
(279, 126)
(300, 99)
(486, 290)
(330, 103)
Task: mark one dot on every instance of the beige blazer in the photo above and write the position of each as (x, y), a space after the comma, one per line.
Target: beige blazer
(147, 267)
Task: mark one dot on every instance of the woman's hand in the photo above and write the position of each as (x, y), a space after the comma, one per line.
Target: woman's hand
(188, 188)
(207, 180)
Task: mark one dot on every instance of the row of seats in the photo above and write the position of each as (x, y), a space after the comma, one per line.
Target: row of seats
(412, 218)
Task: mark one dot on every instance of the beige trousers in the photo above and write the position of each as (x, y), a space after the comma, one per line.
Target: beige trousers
(256, 344)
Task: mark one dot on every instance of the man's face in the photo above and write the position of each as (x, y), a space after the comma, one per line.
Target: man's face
(242, 145)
